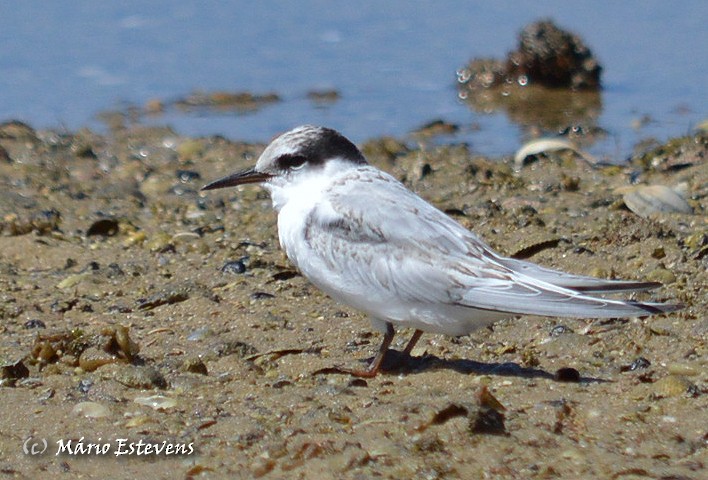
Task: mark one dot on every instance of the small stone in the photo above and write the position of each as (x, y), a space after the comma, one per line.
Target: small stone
(658, 253)
(142, 377)
(85, 385)
(662, 276)
(34, 323)
(638, 364)
(233, 267)
(194, 365)
(559, 330)
(93, 358)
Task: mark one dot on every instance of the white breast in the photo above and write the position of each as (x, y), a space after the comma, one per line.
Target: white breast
(294, 200)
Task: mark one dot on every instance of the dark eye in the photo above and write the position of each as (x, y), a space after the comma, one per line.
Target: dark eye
(291, 162)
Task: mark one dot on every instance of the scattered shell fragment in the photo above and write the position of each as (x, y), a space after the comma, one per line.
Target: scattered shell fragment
(90, 410)
(645, 200)
(184, 237)
(139, 421)
(548, 145)
(158, 402)
(671, 386)
(682, 369)
(72, 280)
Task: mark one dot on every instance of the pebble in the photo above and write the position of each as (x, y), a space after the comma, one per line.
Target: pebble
(141, 377)
(93, 358)
(194, 365)
(639, 363)
(34, 323)
(662, 275)
(560, 330)
(234, 267)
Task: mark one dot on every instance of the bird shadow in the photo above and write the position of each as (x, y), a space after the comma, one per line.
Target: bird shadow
(396, 363)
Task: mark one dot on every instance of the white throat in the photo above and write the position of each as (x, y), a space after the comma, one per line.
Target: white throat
(302, 189)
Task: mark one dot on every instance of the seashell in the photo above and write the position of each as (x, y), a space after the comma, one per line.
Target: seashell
(544, 145)
(158, 402)
(645, 200)
(90, 410)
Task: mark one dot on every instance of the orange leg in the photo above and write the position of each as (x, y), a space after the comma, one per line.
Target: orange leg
(375, 364)
(412, 342)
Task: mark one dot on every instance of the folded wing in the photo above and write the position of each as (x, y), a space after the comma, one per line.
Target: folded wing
(403, 248)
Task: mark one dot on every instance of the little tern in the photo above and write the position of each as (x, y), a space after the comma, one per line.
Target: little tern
(362, 237)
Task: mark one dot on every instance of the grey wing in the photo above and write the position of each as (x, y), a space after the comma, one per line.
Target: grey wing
(579, 283)
(398, 245)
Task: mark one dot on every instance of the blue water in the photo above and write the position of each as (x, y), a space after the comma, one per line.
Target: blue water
(393, 63)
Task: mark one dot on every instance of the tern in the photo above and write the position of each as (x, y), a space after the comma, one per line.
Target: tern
(366, 240)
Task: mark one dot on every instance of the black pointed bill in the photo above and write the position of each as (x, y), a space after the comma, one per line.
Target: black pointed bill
(250, 175)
